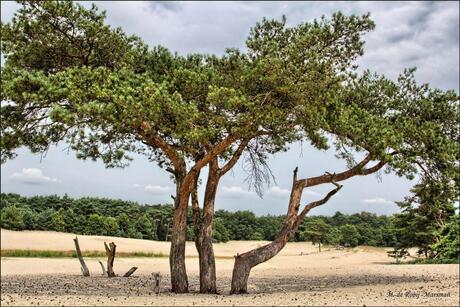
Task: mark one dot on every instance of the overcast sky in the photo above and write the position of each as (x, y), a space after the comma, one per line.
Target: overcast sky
(407, 34)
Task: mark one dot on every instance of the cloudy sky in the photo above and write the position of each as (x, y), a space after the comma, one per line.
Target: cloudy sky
(407, 34)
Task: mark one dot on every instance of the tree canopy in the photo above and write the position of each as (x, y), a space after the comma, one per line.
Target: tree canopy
(68, 76)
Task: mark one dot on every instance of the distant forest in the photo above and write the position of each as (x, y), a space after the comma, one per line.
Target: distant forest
(108, 217)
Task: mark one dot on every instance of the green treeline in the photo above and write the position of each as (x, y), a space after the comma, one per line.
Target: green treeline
(108, 217)
(102, 216)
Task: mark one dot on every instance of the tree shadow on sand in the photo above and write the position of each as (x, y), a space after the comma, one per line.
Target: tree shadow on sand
(142, 285)
(327, 283)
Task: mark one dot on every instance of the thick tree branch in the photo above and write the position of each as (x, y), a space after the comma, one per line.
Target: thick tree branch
(156, 141)
(354, 171)
(317, 203)
(215, 151)
(176, 160)
(224, 169)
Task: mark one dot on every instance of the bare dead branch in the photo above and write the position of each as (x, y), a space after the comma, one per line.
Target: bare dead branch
(234, 158)
(317, 203)
(357, 170)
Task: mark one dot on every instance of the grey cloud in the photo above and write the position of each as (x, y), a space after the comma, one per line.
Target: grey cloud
(416, 34)
(421, 34)
(173, 6)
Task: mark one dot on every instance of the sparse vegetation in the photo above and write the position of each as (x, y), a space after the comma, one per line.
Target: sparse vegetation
(72, 254)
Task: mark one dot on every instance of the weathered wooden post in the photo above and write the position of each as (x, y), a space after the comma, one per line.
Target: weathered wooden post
(84, 268)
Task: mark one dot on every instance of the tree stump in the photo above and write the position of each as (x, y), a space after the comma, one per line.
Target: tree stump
(84, 268)
(110, 251)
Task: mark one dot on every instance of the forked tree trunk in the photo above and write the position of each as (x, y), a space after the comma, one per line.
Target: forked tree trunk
(84, 268)
(203, 223)
(110, 252)
(184, 185)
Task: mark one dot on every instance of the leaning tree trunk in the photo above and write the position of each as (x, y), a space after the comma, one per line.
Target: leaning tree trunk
(245, 262)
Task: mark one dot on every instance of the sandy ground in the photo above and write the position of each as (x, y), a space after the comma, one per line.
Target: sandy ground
(362, 276)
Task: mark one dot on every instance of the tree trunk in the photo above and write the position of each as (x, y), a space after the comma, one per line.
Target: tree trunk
(203, 232)
(319, 246)
(207, 265)
(245, 262)
(179, 280)
(110, 252)
(84, 268)
(203, 223)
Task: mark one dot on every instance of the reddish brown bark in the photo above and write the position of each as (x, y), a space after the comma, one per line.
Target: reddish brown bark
(179, 279)
(184, 185)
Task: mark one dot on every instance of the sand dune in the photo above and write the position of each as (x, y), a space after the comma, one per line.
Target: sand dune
(361, 276)
(50, 240)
